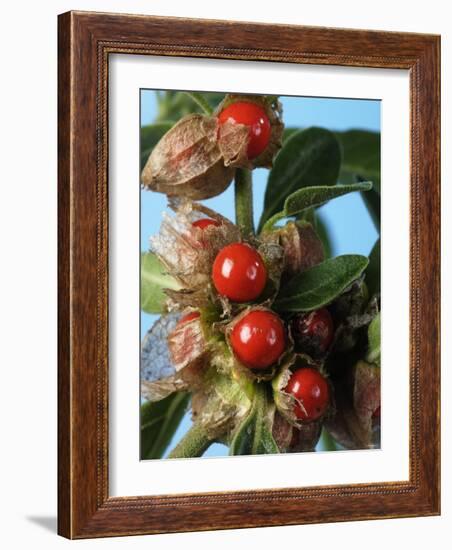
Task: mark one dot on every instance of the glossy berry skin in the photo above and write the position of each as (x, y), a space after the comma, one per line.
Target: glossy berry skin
(309, 387)
(253, 116)
(314, 331)
(258, 339)
(239, 273)
(205, 222)
(187, 318)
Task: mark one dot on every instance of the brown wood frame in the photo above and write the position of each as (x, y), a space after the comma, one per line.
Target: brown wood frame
(84, 44)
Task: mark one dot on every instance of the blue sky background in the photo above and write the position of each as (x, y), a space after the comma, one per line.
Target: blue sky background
(349, 223)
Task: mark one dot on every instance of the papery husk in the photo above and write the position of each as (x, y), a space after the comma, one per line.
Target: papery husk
(187, 161)
(233, 143)
(285, 402)
(220, 404)
(302, 247)
(188, 252)
(273, 255)
(242, 371)
(282, 432)
(188, 350)
(164, 368)
(295, 438)
(273, 108)
(305, 437)
(155, 361)
(357, 394)
(157, 373)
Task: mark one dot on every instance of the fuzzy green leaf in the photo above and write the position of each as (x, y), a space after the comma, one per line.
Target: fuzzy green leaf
(373, 333)
(153, 281)
(310, 197)
(308, 157)
(159, 421)
(253, 436)
(316, 196)
(321, 284)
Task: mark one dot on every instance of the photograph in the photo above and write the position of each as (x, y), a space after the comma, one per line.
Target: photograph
(260, 274)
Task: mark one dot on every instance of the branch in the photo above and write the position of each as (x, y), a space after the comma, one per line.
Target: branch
(244, 200)
(193, 444)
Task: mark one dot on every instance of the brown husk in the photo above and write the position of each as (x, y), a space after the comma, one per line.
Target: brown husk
(187, 161)
(357, 394)
(303, 248)
(188, 252)
(306, 436)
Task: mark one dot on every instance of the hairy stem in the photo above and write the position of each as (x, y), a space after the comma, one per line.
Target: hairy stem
(199, 100)
(244, 200)
(193, 444)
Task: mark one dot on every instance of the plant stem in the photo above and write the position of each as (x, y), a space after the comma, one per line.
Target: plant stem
(244, 200)
(193, 444)
(199, 100)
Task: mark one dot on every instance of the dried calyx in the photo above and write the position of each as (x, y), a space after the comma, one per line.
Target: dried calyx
(198, 156)
(188, 252)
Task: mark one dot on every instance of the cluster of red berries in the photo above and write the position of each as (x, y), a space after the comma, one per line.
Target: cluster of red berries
(259, 338)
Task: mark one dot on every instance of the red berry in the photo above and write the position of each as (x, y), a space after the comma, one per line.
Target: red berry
(239, 272)
(189, 317)
(314, 331)
(309, 387)
(205, 222)
(254, 116)
(258, 339)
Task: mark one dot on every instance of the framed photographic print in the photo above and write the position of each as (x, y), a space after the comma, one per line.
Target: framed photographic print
(248, 275)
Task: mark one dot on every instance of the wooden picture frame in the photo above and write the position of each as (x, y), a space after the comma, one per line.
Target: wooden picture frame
(85, 42)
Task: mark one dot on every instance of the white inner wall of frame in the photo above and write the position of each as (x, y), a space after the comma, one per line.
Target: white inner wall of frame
(129, 475)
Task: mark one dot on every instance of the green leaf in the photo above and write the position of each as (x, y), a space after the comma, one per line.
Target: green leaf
(253, 436)
(373, 270)
(373, 333)
(159, 421)
(149, 137)
(316, 196)
(308, 157)
(153, 281)
(288, 132)
(310, 197)
(360, 156)
(201, 102)
(321, 284)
